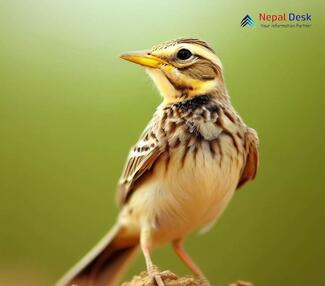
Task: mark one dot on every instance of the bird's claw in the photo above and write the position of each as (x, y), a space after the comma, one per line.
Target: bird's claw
(158, 280)
(155, 274)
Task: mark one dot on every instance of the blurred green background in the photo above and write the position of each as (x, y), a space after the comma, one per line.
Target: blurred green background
(70, 110)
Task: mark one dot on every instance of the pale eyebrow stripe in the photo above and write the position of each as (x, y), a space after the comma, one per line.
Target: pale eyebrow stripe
(204, 52)
(194, 41)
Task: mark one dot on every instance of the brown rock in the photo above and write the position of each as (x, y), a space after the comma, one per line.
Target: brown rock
(171, 279)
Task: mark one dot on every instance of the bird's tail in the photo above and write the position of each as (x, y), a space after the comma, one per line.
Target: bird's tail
(105, 263)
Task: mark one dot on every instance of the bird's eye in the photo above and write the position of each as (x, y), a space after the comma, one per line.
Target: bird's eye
(184, 54)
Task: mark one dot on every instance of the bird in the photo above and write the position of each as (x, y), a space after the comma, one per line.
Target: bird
(181, 174)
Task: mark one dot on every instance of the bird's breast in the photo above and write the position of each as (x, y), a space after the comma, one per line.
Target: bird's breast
(199, 181)
(196, 174)
(188, 188)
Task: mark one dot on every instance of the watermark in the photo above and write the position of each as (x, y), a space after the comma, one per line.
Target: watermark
(281, 20)
(247, 20)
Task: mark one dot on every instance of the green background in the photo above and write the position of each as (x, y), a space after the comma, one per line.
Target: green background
(70, 110)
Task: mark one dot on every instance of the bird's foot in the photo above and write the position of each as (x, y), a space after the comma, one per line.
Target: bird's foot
(168, 275)
(155, 275)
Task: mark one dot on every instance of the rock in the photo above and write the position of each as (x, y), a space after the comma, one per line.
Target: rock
(171, 279)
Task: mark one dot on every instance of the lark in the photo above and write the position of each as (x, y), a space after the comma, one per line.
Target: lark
(181, 174)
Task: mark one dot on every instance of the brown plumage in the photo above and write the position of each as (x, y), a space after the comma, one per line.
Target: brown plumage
(181, 174)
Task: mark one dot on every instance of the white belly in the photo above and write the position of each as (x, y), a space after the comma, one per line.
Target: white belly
(185, 197)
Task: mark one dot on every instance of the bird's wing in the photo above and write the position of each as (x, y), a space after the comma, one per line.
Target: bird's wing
(250, 168)
(140, 160)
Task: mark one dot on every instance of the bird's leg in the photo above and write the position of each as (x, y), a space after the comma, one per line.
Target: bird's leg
(182, 254)
(151, 268)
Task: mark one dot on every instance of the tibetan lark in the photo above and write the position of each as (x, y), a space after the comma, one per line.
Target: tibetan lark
(181, 174)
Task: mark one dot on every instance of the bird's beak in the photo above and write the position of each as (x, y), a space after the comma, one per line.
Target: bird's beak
(143, 58)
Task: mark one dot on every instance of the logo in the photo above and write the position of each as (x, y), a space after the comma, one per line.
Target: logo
(247, 20)
(278, 20)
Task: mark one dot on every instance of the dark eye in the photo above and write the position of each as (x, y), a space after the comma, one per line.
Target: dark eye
(184, 54)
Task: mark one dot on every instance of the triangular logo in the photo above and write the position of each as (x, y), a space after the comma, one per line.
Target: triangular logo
(247, 21)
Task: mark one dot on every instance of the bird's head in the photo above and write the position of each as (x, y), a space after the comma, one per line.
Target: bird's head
(181, 69)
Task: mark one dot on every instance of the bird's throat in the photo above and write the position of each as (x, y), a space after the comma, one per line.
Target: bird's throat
(165, 87)
(173, 92)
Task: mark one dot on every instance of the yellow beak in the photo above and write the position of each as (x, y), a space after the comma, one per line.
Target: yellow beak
(143, 58)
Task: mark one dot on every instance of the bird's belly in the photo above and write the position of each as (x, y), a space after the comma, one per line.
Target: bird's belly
(186, 194)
